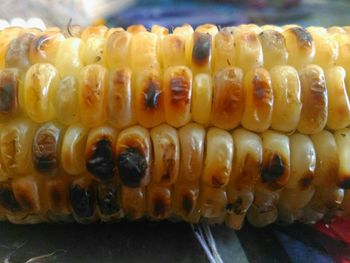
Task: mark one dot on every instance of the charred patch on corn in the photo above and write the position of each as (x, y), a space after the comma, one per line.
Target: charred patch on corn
(18, 51)
(161, 201)
(306, 181)
(262, 89)
(82, 199)
(27, 195)
(169, 162)
(8, 92)
(228, 92)
(345, 182)
(100, 159)
(45, 147)
(107, 199)
(180, 85)
(274, 171)
(219, 179)
(236, 207)
(152, 94)
(132, 166)
(189, 202)
(8, 199)
(57, 195)
(201, 51)
(303, 37)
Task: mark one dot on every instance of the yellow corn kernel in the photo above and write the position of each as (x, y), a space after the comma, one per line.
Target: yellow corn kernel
(328, 196)
(201, 53)
(338, 101)
(116, 50)
(65, 101)
(149, 96)
(259, 100)
(173, 50)
(17, 54)
(228, 98)
(300, 46)
(342, 138)
(177, 87)
(246, 168)
(133, 202)
(166, 155)
(134, 29)
(212, 203)
(223, 51)
(202, 98)
(185, 201)
(274, 48)
(69, 57)
(40, 87)
(299, 190)
(287, 103)
(73, 149)
(248, 50)
(159, 201)
(314, 112)
(218, 158)
(160, 31)
(144, 51)
(16, 146)
(46, 148)
(192, 139)
(92, 93)
(6, 36)
(120, 99)
(326, 48)
(44, 47)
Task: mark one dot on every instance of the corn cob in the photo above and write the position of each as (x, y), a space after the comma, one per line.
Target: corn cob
(197, 124)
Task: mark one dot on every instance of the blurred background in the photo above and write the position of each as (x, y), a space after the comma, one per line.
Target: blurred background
(172, 13)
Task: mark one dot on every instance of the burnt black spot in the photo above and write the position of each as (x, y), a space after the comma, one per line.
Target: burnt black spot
(188, 203)
(82, 200)
(306, 181)
(8, 199)
(303, 36)
(101, 162)
(6, 98)
(132, 167)
(235, 207)
(160, 206)
(151, 96)
(107, 199)
(201, 48)
(45, 146)
(273, 170)
(345, 183)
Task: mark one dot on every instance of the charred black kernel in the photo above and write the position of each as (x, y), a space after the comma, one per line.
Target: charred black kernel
(306, 181)
(160, 206)
(8, 91)
(7, 94)
(107, 199)
(151, 95)
(235, 207)
(45, 147)
(201, 48)
(132, 167)
(8, 199)
(345, 183)
(273, 170)
(188, 203)
(101, 162)
(82, 200)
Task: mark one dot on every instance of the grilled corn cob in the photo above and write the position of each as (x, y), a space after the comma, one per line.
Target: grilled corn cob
(193, 124)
